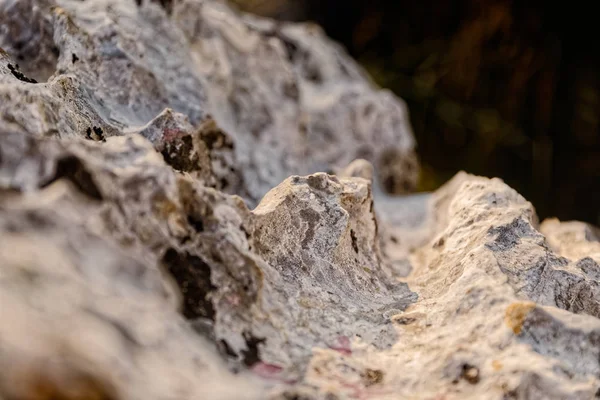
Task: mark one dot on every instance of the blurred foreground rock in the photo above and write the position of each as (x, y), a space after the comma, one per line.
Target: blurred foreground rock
(166, 232)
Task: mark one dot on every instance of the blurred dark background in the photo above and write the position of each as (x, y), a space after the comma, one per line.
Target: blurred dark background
(496, 88)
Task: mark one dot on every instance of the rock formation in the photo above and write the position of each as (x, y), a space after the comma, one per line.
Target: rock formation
(193, 205)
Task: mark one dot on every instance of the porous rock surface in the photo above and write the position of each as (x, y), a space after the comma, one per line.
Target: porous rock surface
(166, 232)
(290, 101)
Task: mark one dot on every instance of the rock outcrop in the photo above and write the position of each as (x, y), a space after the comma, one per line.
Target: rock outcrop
(290, 101)
(171, 226)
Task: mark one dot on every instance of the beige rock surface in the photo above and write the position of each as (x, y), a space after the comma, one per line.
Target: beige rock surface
(167, 230)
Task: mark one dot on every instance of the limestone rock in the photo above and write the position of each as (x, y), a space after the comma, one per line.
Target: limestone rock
(169, 228)
(83, 317)
(499, 315)
(293, 101)
(235, 271)
(319, 233)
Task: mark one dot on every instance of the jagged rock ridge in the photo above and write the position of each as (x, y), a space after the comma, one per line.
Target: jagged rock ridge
(154, 245)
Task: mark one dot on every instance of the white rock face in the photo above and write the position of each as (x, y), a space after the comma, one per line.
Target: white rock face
(165, 232)
(499, 314)
(291, 100)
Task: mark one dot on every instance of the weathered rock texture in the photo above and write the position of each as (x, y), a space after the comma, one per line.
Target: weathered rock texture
(289, 100)
(143, 256)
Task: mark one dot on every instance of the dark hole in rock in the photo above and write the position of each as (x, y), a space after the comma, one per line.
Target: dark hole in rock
(192, 275)
(470, 373)
(180, 154)
(226, 349)
(14, 69)
(95, 133)
(99, 132)
(196, 223)
(313, 74)
(72, 169)
(224, 183)
(166, 4)
(291, 48)
(252, 354)
(215, 138)
(354, 244)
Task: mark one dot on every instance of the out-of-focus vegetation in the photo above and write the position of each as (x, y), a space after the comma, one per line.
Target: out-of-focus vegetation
(496, 88)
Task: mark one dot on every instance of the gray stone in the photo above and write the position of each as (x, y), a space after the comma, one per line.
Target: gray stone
(169, 227)
(291, 99)
(499, 315)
